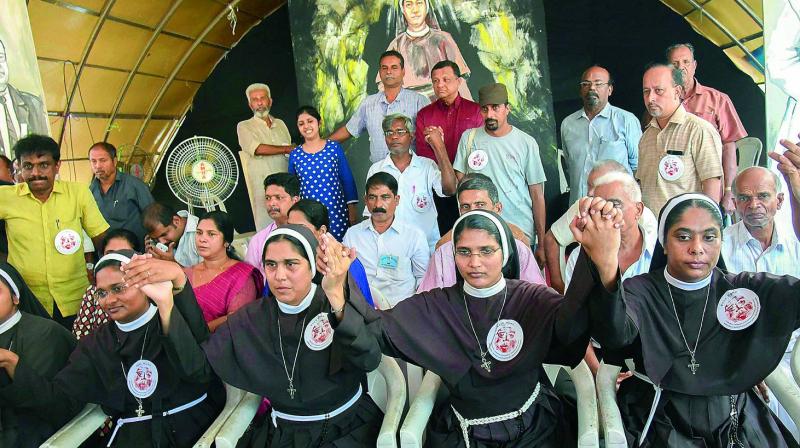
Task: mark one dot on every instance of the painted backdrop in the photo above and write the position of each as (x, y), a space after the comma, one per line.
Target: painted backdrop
(337, 44)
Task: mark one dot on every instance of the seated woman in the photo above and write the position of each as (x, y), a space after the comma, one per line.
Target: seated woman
(90, 314)
(291, 348)
(27, 332)
(146, 370)
(313, 215)
(700, 339)
(222, 283)
(486, 337)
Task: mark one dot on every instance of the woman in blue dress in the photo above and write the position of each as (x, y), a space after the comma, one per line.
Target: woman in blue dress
(324, 172)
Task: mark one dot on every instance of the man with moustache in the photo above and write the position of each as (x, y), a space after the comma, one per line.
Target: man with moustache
(21, 113)
(678, 152)
(121, 197)
(394, 99)
(440, 126)
(510, 158)
(416, 177)
(45, 219)
(598, 131)
(265, 143)
(716, 108)
(281, 192)
(394, 254)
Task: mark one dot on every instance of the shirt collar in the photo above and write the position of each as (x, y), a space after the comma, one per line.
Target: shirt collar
(191, 221)
(456, 103)
(678, 117)
(649, 240)
(389, 163)
(605, 112)
(699, 89)
(382, 97)
(395, 225)
(23, 189)
(743, 236)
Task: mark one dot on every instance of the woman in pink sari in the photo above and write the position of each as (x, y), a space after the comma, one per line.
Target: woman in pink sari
(221, 282)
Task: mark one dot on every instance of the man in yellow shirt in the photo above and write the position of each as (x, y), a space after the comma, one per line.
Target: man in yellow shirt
(44, 221)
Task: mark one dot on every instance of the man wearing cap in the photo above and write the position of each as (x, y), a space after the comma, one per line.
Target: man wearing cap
(510, 158)
(265, 143)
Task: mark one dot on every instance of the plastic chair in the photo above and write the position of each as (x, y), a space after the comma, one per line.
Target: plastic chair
(749, 152)
(413, 429)
(77, 430)
(233, 397)
(611, 420)
(386, 387)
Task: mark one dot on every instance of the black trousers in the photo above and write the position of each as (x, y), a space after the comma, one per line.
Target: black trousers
(65, 322)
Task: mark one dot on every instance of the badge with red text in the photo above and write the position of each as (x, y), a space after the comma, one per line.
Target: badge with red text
(738, 309)
(142, 378)
(68, 242)
(422, 202)
(504, 340)
(319, 333)
(478, 160)
(671, 167)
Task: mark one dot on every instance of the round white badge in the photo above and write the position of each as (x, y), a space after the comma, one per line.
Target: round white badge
(142, 378)
(68, 242)
(319, 333)
(738, 309)
(478, 160)
(671, 167)
(422, 202)
(504, 340)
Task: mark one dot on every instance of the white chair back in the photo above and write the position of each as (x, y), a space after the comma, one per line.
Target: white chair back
(749, 152)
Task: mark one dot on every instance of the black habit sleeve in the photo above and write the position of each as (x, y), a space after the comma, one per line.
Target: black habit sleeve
(186, 302)
(359, 347)
(184, 351)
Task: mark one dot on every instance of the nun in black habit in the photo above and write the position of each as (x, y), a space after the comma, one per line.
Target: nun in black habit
(27, 333)
(145, 368)
(487, 337)
(700, 339)
(308, 358)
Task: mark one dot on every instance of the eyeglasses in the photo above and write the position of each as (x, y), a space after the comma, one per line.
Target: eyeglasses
(596, 84)
(398, 132)
(102, 294)
(482, 253)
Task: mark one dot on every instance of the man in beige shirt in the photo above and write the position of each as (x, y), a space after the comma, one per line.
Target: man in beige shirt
(265, 142)
(679, 152)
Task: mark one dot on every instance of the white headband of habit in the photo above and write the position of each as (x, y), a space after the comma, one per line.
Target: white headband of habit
(672, 203)
(112, 256)
(495, 221)
(10, 282)
(295, 234)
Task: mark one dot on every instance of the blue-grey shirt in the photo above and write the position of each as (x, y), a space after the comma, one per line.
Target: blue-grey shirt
(612, 134)
(374, 108)
(123, 203)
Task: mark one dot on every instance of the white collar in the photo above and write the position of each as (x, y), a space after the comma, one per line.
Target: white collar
(140, 321)
(419, 33)
(687, 286)
(483, 293)
(10, 322)
(299, 308)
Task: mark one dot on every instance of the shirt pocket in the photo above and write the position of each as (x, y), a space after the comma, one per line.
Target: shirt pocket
(394, 267)
(613, 150)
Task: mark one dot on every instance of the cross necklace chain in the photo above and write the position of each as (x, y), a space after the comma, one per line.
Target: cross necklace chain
(693, 364)
(289, 376)
(485, 363)
(140, 409)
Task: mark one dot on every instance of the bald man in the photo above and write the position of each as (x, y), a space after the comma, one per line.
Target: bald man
(598, 131)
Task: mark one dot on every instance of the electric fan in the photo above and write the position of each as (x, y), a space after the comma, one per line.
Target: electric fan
(202, 172)
(134, 160)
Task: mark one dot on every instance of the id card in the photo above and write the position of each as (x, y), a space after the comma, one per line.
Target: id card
(388, 262)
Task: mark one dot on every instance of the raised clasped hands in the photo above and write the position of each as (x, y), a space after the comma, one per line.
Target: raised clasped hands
(597, 228)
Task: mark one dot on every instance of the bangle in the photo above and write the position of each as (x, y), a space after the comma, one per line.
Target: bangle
(337, 311)
(727, 189)
(176, 290)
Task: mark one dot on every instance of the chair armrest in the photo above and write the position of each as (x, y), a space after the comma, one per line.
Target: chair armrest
(417, 418)
(583, 380)
(613, 431)
(238, 421)
(786, 391)
(77, 430)
(232, 398)
(395, 401)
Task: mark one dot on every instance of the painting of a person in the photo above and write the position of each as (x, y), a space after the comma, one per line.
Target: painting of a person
(423, 43)
(21, 113)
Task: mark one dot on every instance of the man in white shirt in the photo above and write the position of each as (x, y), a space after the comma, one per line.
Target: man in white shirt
(175, 230)
(757, 243)
(636, 241)
(416, 177)
(265, 143)
(394, 254)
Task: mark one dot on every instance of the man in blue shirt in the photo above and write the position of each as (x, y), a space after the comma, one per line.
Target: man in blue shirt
(598, 131)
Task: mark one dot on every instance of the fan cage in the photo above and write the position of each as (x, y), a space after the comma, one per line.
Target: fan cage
(190, 190)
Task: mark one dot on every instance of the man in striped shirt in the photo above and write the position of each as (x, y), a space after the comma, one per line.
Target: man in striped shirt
(394, 99)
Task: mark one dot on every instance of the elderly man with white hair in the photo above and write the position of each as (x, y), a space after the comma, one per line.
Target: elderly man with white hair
(265, 143)
(637, 241)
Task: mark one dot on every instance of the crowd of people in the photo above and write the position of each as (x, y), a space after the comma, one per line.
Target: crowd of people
(450, 268)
